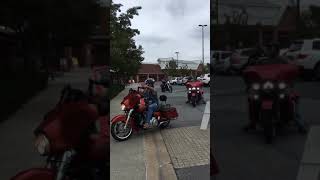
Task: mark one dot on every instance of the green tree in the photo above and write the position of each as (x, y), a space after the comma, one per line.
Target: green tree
(171, 68)
(126, 56)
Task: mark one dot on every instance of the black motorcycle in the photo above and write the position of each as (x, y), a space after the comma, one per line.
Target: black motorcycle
(166, 86)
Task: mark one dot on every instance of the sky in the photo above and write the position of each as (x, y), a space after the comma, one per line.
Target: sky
(168, 26)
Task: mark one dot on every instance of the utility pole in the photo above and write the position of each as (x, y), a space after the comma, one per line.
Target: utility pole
(298, 18)
(202, 25)
(217, 12)
(177, 58)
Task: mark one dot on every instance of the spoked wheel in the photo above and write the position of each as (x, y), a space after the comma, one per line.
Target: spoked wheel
(269, 129)
(165, 124)
(118, 131)
(194, 101)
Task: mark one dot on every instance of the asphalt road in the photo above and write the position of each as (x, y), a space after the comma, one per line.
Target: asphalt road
(127, 158)
(188, 115)
(242, 155)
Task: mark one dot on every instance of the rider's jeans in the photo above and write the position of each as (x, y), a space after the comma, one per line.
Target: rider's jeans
(151, 109)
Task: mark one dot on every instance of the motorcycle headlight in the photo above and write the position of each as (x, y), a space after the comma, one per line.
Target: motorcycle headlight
(282, 85)
(255, 86)
(189, 89)
(123, 107)
(193, 88)
(268, 85)
(198, 88)
(42, 144)
(282, 96)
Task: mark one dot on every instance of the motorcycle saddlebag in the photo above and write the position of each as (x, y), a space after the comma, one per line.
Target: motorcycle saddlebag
(169, 112)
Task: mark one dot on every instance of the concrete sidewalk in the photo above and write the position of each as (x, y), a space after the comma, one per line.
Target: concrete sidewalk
(310, 163)
(189, 150)
(16, 133)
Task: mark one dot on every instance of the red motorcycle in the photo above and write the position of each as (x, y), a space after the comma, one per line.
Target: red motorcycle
(271, 97)
(71, 142)
(195, 92)
(134, 107)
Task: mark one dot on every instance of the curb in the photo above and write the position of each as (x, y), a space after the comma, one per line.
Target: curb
(157, 159)
(310, 162)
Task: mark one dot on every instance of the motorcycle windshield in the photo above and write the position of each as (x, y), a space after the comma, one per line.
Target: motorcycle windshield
(194, 84)
(279, 72)
(66, 125)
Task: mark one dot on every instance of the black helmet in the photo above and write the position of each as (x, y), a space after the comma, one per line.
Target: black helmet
(149, 82)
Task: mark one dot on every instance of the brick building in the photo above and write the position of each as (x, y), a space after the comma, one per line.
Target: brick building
(149, 71)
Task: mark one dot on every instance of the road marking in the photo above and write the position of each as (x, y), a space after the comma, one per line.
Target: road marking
(157, 159)
(205, 117)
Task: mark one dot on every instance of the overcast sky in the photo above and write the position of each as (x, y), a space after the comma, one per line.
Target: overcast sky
(167, 26)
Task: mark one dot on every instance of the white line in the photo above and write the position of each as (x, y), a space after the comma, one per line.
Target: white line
(206, 117)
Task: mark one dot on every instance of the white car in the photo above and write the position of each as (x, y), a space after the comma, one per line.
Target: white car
(306, 54)
(221, 61)
(205, 79)
(241, 57)
(185, 79)
(176, 80)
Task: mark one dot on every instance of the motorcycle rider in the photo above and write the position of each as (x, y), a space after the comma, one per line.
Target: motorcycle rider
(151, 98)
(272, 52)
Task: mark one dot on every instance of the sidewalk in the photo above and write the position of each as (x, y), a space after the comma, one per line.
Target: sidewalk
(189, 150)
(310, 163)
(16, 133)
(126, 158)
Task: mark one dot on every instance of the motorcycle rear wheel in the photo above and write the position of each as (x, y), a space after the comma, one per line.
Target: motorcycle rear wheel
(165, 125)
(114, 129)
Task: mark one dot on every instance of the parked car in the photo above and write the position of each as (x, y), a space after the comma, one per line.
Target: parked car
(306, 54)
(240, 58)
(205, 79)
(221, 61)
(185, 79)
(176, 81)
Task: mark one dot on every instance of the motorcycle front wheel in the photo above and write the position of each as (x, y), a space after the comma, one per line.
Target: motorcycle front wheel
(119, 133)
(193, 101)
(269, 129)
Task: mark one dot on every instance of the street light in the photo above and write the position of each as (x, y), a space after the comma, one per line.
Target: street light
(202, 25)
(177, 57)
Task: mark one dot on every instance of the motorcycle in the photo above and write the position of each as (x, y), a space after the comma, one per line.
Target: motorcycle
(134, 107)
(195, 92)
(69, 139)
(166, 86)
(271, 97)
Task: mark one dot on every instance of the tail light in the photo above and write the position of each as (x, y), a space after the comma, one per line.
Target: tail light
(302, 56)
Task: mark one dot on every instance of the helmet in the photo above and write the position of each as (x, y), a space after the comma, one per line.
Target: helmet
(149, 82)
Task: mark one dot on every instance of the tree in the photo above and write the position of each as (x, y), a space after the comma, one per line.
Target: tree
(126, 56)
(44, 25)
(171, 68)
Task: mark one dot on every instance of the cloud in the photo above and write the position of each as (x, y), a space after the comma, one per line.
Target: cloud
(168, 26)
